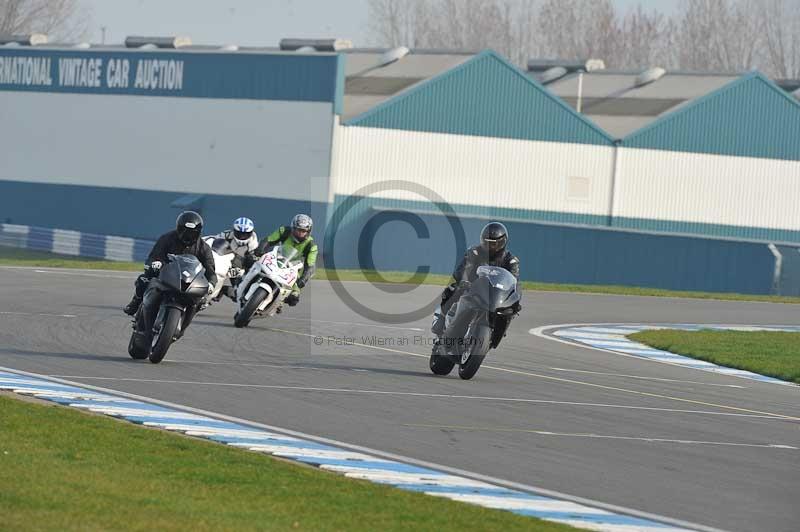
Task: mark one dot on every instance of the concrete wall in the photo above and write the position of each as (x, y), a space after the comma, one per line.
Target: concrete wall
(115, 164)
(569, 254)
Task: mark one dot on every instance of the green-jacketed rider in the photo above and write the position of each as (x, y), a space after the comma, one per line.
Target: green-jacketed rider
(297, 236)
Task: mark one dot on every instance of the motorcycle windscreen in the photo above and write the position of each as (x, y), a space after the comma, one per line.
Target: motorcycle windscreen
(220, 246)
(181, 271)
(289, 263)
(288, 256)
(495, 287)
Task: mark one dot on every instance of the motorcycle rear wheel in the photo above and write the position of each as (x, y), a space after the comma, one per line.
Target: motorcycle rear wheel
(163, 339)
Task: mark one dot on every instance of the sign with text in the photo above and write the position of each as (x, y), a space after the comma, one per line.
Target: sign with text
(244, 75)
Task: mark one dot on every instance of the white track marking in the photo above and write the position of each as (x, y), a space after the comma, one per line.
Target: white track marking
(606, 436)
(506, 503)
(681, 381)
(399, 477)
(82, 274)
(570, 381)
(42, 314)
(420, 394)
(477, 477)
(245, 364)
(378, 325)
(666, 359)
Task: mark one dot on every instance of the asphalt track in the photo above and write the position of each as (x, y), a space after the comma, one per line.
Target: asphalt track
(539, 413)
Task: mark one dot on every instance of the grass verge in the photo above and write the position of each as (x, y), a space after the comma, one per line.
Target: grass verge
(20, 257)
(772, 353)
(62, 469)
(25, 257)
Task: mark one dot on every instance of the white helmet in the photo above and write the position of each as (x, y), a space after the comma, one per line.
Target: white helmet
(242, 230)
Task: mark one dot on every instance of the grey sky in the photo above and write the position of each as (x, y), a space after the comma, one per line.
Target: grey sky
(247, 22)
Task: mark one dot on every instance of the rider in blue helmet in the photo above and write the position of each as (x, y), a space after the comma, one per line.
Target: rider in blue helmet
(241, 239)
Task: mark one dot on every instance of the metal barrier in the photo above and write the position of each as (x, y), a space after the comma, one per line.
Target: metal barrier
(76, 243)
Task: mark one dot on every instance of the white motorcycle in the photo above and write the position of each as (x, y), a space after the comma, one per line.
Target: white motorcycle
(269, 281)
(223, 259)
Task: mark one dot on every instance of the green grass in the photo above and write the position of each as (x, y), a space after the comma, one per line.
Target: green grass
(24, 257)
(19, 257)
(772, 353)
(62, 469)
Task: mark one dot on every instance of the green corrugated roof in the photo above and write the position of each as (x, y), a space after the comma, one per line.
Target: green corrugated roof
(486, 96)
(748, 117)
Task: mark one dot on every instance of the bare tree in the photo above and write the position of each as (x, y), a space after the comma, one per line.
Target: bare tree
(579, 29)
(719, 35)
(646, 39)
(503, 25)
(779, 24)
(703, 35)
(59, 19)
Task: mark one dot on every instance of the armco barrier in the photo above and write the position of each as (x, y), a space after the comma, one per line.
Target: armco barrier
(67, 242)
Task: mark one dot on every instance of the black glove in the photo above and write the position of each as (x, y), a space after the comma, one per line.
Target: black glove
(301, 283)
(464, 285)
(292, 299)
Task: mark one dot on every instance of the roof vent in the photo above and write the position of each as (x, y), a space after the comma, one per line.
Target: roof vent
(306, 50)
(319, 45)
(649, 76)
(595, 64)
(82, 45)
(541, 65)
(33, 39)
(395, 54)
(136, 41)
(229, 47)
(552, 74)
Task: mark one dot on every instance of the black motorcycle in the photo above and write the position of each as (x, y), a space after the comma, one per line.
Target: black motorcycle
(477, 323)
(181, 284)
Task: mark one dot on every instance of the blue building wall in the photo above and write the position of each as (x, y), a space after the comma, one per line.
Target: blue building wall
(139, 213)
(568, 254)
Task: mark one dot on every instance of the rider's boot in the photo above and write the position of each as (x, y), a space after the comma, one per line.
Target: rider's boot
(131, 308)
(437, 327)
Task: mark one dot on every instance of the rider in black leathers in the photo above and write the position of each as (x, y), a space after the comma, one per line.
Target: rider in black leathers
(184, 240)
(491, 251)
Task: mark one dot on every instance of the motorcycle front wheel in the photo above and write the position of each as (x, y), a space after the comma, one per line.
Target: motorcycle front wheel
(440, 364)
(163, 339)
(243, 317)
(479, 346)
(137, 347)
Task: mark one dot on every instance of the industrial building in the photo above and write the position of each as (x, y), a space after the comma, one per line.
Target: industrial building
(701, 168)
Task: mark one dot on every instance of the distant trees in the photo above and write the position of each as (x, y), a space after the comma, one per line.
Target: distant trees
(61, 20)
(715, 35)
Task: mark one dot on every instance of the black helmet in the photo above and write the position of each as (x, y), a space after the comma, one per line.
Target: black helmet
(494, 237)
(189, 226)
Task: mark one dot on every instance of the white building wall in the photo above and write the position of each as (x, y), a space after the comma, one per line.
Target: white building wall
(200, 145)
(489, 172)
(708, 189)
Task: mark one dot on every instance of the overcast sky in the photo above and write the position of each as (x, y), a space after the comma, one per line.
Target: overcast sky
(246, 22)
